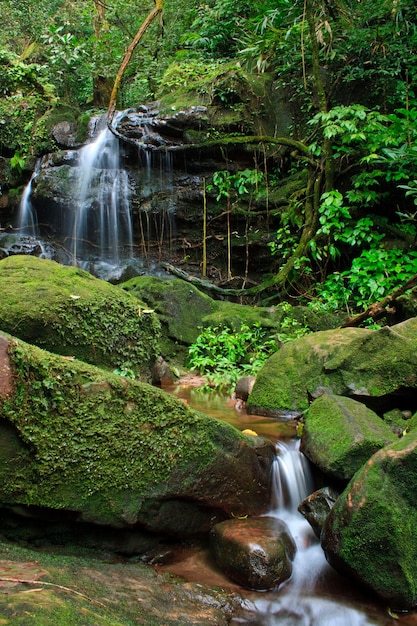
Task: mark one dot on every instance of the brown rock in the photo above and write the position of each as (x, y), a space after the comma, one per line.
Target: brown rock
(254, 552)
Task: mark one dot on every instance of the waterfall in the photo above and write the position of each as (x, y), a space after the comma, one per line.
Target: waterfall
(27, 222)
(301, 601)
(157, 210)
(291, 478)
(102, 223)
(95, 202)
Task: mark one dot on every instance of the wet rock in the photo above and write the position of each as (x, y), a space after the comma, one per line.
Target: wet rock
(244, 386)
(370, 533)
(341, 434)
(317, 506)
(146, 126)
(86, 590)
(64, 134)
(254, 552)
(162, 374)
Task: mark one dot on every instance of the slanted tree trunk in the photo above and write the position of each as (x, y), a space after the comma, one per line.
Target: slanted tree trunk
(148, 20)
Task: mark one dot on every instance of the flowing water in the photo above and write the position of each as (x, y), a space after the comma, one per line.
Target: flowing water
(27, 218)
(303, 600)
(102, 221)
(116, 216)
(315, 595)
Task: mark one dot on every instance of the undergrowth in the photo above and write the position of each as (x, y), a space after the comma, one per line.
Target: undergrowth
(223, 355)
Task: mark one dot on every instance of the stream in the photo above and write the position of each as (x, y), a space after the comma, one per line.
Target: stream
(316, 595)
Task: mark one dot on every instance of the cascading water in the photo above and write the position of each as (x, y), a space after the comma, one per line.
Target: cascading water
(157, 211)
(102, 221)
(27, 221)
(94, 195)
(302, 600)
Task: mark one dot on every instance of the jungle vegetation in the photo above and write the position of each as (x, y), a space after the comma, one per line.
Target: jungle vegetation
(348, 68)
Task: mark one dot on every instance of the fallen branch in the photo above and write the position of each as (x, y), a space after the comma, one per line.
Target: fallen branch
(27, 581)
(204, 285)
(380, 309)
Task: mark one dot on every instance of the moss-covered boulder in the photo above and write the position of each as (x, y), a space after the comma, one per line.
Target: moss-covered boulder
(371, 532)
(180, 306)
(297, 371)
(340, 435)
(67, 311)
(351, 361)
(184, 310)
(119, 452)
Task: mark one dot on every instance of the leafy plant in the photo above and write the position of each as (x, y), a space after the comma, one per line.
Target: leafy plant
(125, 372)
(17, 162)
(373, 274)
(223, 355)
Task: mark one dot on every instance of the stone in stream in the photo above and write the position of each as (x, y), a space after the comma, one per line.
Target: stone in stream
(317, 506)
(257, 553)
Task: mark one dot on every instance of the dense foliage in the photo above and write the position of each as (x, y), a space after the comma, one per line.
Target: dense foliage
(345, 68)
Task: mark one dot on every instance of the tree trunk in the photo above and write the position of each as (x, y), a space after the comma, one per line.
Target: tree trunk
(148, 20)
(321, 94)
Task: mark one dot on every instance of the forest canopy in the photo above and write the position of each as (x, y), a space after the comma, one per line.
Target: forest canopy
(347, 69)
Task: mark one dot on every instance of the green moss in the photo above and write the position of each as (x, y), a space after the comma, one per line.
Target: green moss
(84, 591)
(373, 524)
(341, 434)
(67, 311)
(237, 100)
(96, 442)
(180, 306)
(344, 361)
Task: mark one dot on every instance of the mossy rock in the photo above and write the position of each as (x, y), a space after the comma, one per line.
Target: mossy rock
(353, 362)
(44, 589)
(371, 532)
(184, 311)
(341, 434)
(180, 306)
(237, 100)
(297, 371)
(67, 311)
(282, 318)
(119, 452)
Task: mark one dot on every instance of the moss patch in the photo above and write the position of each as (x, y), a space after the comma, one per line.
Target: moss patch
(340, 435)
(371, 531)
(83, 591)
(348, 361)
(67, 311)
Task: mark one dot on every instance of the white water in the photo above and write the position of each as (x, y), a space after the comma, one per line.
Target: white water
(102, 222)
(27, 223)
(301, 601)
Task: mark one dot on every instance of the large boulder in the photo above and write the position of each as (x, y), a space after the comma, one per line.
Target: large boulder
(371, 532)
(340, 434)
(119, 452)
(257, 553)
(377, 365)
(67, 311)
